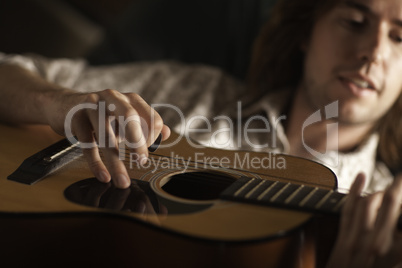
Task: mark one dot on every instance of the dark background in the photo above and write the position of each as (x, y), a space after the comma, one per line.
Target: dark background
(214, 32)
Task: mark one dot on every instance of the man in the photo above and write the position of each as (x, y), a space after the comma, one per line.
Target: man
(343, 52)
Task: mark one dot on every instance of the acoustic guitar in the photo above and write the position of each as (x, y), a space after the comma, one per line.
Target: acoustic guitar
(185, 207)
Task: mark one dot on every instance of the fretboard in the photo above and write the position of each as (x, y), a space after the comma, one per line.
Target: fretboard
(285, 195)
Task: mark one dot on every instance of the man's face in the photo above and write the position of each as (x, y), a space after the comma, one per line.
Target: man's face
(354, 55)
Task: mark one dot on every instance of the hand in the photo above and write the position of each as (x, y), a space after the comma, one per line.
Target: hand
(138, 125)
(368, 236)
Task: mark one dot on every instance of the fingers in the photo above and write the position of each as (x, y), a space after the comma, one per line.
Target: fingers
(388, 217)
(150, 120)
(362, 212)
(165, 132)
(363, 230)
(348, 211)
(138, 125)
(379, 240)
(132, 109)
(367, 229)
(342, 254)
(83, 130)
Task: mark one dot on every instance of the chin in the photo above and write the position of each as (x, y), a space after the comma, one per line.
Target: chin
(355, 114)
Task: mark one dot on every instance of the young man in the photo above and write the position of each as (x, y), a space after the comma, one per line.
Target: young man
(340, 57)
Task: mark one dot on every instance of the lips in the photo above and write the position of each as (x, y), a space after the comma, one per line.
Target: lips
(359, 85)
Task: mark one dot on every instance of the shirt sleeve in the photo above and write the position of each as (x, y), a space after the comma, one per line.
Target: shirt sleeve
(61, 71)
(178, 90)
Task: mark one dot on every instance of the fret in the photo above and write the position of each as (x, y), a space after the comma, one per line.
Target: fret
(243, 188)
(255, 189)
(267, 190)
(315, 198)
(339, 205)
(271, 191)
(333, 201)
(300, 195)
(293, 195)
(229, 192)
(304, 201)
(285, 193)
(279, 192)
(319, 204)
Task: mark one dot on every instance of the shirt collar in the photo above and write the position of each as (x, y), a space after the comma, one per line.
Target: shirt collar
(346, 166)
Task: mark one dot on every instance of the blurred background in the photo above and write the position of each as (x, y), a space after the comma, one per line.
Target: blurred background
(214, 32)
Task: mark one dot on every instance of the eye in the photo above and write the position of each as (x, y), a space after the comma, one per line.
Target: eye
(396, 37)
(354, 24)
(352, 19)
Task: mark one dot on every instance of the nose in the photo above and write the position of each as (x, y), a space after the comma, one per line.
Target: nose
(374, 47)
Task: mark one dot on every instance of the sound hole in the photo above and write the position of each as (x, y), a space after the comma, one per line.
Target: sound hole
(198, 185)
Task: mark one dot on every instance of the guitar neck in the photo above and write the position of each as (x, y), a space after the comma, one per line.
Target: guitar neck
(284, 195)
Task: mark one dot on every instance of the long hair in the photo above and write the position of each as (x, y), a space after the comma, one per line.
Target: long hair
(277, 59)
(390, 130)
(277, 63)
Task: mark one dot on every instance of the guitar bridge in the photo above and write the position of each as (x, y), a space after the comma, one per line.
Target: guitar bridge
(41, 164)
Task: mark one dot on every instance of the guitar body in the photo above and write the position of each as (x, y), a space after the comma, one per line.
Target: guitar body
(45, 223)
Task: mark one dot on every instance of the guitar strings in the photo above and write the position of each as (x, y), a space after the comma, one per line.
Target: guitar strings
(78, 156)
(191, 164)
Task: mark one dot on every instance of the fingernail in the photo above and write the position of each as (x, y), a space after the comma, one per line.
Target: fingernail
(143, 160)
(104, 176)
(123, 181)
